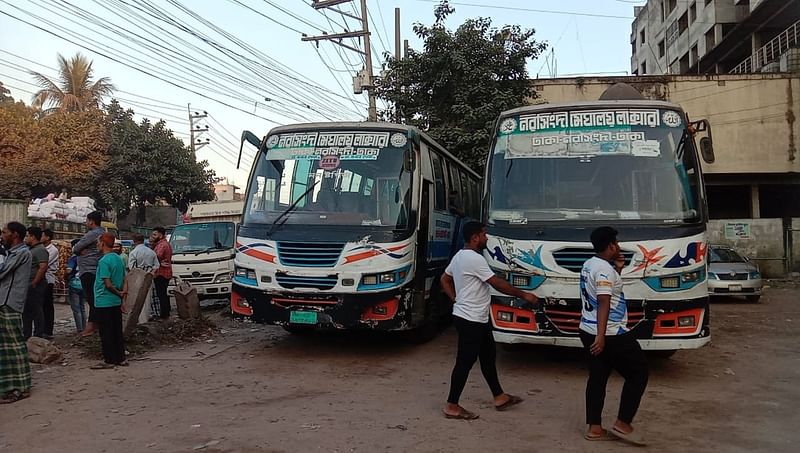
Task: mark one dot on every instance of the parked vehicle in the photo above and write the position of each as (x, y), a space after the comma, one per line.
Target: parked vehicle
(557, 171)
(732, 274)
(350, 225)
(202, 255)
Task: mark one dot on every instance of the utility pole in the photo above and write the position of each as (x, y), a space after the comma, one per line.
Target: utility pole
(196, 130)
(397, 34)
(366, 79)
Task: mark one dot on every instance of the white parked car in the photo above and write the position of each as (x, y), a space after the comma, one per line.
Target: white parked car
(732, 274)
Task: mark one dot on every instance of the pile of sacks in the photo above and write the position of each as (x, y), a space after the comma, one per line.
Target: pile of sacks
(74, 209)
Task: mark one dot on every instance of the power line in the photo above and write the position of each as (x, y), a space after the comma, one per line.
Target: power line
(532, 10)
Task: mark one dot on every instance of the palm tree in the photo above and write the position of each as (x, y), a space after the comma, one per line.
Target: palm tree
(74, 90)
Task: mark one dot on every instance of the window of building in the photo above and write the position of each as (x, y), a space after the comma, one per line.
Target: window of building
(683, 23)
(693, 13)
(644, 68)
(708, 2)
(661, 49)
(671, 5)
(663, 12)
(684, 64)
(633, 47)
(710, 43)
(728, 202)
(694, 54)
(642, 37)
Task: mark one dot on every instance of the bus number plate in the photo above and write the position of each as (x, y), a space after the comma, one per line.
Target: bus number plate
(303, 317)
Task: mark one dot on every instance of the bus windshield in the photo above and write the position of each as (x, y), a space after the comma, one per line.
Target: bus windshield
(201, 237)
(332, 178)
(601, 164)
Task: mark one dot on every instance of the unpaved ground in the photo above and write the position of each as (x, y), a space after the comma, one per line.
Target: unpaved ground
(255, 388)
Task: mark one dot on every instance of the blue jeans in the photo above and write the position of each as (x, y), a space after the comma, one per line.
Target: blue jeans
(76, 302)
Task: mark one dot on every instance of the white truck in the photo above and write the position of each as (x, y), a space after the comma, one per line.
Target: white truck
(202, 255)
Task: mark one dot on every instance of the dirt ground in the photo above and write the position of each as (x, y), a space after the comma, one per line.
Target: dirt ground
(256, 388)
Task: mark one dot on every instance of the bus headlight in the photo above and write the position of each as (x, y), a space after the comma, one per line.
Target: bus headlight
(387, 277)
(690, 277)
(245, 273)
(670, 282)
(223, 278)
(686, 321)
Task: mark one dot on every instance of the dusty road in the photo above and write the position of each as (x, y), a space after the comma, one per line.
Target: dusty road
(256, 388)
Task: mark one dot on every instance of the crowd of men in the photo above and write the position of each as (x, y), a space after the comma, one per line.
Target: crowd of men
(96, 276)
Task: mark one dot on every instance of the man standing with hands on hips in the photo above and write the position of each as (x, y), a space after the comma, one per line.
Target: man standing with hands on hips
(467, 281)
(605, 335)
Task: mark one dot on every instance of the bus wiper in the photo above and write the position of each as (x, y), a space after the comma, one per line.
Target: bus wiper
(287, 211)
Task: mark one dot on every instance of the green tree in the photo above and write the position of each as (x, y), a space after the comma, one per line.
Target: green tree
(74, 90)
(5, 95)
(455, 88)
(147, 165)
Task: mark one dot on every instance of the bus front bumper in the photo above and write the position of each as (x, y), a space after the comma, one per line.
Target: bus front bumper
(389, 310)
(657, 325)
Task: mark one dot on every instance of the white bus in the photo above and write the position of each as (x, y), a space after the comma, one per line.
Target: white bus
(350, 225)
(557, 171)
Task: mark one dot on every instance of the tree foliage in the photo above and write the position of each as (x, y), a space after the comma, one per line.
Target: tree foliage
(5, 95)
(74, 90)
(455, 88)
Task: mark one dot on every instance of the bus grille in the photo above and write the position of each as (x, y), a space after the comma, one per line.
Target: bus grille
(573, 258)
(303, 281)
(300, 254)
(568, 321)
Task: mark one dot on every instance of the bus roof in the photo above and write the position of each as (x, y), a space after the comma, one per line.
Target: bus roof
(370, 125)
(590, 104)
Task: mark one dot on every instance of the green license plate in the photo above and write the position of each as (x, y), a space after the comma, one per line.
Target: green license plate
(303, 317)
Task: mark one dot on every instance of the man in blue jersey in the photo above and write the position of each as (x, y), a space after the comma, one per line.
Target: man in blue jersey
(605, 335)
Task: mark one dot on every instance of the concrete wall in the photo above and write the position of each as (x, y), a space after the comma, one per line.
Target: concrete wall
(765, 246)
(752, 116)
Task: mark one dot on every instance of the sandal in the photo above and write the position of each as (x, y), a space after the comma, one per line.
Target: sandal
(463, 414)
(123, 363)
(513, 400)
(13, 396)
(103, 366)
(631, 437)
(599, 437)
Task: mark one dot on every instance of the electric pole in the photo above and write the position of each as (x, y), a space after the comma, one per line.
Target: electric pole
(365, 79)
(196, 130)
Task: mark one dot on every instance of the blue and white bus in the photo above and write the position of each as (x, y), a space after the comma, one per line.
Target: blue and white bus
(350, 225)
(557, 171)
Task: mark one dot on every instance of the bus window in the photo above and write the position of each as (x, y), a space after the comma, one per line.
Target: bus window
(456, 196)
(466, 194)
(440, 199)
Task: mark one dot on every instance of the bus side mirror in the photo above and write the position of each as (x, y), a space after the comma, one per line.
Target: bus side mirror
(707, 150)
(408, 160)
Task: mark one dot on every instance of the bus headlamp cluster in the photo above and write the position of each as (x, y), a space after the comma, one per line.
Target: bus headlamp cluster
(384, 278)
(245, 273)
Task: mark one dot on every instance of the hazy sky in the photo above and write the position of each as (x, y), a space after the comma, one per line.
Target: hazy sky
(255, 53)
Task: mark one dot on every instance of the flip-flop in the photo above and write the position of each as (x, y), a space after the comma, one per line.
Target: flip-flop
(123, 363)
(602, 437)
(513, 400)
(462, 415)
(14, 396)
(633, 437)
(102, 366)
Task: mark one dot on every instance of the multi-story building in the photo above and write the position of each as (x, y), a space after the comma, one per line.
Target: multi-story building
(715, 36)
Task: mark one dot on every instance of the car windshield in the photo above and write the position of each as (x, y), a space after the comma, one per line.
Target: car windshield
(199, 237)
(332, 178)
(720, 255)
(606, 164)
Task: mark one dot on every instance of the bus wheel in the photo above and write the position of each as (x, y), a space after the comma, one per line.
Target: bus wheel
(299, 330)
(662, 353)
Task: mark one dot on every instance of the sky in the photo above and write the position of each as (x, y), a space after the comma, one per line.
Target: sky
(244, 64)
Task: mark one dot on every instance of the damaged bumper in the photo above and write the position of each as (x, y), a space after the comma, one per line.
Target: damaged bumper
(389, 310)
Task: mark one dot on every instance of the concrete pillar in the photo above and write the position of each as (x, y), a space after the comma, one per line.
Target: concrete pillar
(755, 205)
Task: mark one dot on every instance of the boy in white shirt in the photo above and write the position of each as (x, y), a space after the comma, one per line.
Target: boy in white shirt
(467, 281)
(605, 335)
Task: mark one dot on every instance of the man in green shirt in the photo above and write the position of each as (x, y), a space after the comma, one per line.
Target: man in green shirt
(109, 301)
(33, 313)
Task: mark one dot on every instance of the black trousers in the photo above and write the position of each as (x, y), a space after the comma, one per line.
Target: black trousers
(49, 311)
(161, 284)
(109, 322)
(32, 313)
(475, 341)
(87, 283)
(623, 354)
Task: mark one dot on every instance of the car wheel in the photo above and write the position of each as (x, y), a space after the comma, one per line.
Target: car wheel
(754, 299)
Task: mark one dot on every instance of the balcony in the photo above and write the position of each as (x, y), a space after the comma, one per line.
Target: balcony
(771, 51)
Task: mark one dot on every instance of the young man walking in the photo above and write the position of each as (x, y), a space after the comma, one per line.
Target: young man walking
(50, 276)
(33, 315)
(15, 371)
(88, 256)
(605, 335)
(108, 302)
(467, 281)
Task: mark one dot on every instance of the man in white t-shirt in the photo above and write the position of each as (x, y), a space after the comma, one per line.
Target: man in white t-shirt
(467, 281)
(605, 335)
